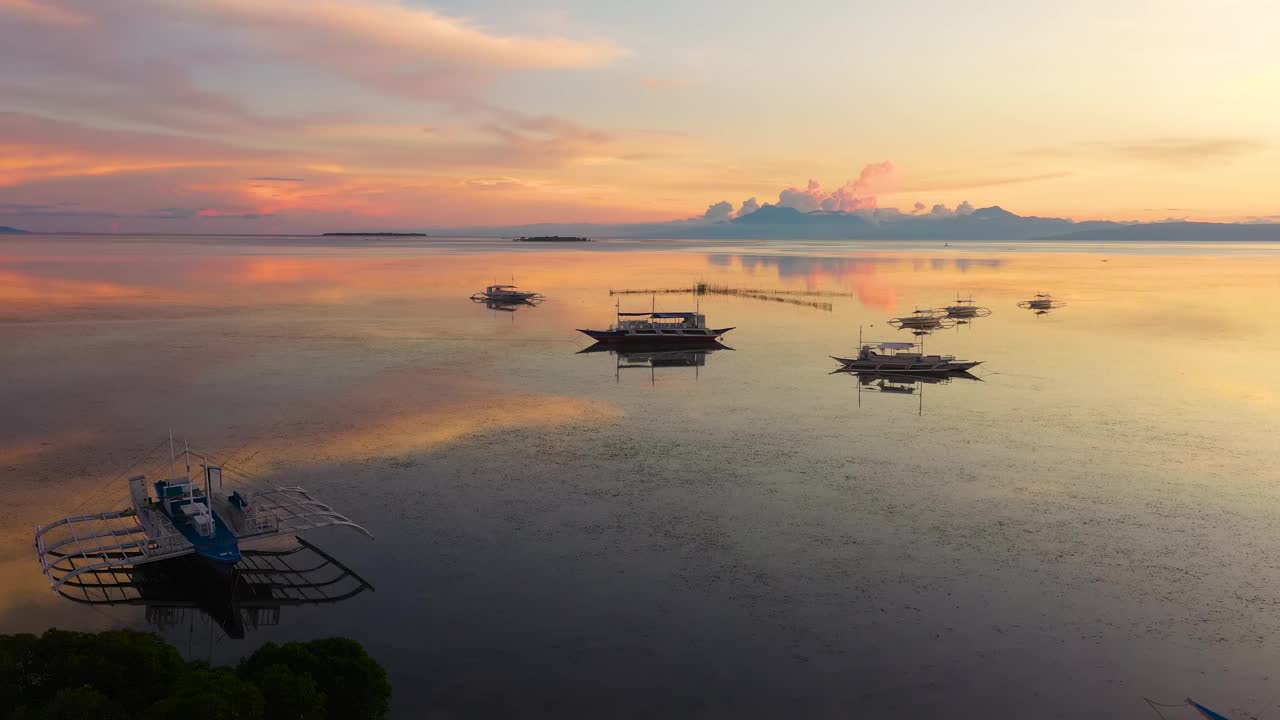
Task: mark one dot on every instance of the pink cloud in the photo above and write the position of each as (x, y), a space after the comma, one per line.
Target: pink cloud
(388, 29)
(857, 194)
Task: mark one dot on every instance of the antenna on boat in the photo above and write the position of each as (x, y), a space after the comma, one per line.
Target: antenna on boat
(173, 459)
(186, 455)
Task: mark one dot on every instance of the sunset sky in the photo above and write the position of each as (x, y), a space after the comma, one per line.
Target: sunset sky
(300, 116)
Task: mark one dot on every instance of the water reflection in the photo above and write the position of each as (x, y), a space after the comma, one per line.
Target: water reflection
(176, 592)
(509, 306)
(1041, 303)
(901, 384)
(560, 561)
(654, 356)
(867, 275)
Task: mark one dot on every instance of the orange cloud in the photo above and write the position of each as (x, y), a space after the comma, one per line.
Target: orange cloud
(385, 27)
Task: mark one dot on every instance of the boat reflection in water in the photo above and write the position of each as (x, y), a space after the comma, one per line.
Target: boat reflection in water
(1042, 303)
(657, 355)
(175, 592)
(901, 384)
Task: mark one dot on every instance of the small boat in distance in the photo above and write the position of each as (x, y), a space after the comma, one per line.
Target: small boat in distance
(552, 238)
(966, 308)
(507, 294)
(1041, 301)
(902, 358)
(684, 328)
(927, 319)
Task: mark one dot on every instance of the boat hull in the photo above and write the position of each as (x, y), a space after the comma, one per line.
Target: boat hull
(907, 369)
(631, 338)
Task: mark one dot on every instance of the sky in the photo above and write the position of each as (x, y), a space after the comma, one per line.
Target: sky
(280, 116)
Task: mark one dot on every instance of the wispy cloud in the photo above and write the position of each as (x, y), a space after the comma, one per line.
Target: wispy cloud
(1192, 152)
(41, 12)
(1173, 152)
(944, 183)
(386, 29)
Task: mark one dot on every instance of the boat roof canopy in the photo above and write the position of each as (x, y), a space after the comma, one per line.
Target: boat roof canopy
(502, 287)
(682, 315)
(893, 345)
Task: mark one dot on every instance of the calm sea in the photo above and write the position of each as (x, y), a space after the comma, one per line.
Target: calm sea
(739, 533)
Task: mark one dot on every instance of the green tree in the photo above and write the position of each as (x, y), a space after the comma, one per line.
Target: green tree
(82, 703)
(122, 674)
(354, 685)
(209, 695)
(291, 695)
(128, 667)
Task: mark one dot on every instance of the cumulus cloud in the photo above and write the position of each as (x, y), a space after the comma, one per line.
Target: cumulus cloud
(941, 211)
(857, 194)
(719, 212)
(749, 206)
(918, 207)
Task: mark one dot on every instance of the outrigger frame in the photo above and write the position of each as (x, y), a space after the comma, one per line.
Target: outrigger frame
(266, 581)
(73, 546)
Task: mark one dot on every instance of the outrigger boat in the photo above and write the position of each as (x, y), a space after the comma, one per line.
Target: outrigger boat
(901, 358)
(507, 295)
(966, 308)
(927, 319)
(667, 328)
(180, 519)
(1041, 301)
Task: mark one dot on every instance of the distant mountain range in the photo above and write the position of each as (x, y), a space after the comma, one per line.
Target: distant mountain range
(6, 230)
(990, 223)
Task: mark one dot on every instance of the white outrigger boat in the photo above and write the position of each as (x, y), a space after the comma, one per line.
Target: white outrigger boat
(927, 319)
(1041, 301)
(966, 308)
(507, 295)
(901, 358)
(180, 519)
(667, 328)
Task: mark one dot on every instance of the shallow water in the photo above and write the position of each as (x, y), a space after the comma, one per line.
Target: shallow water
(748, 535)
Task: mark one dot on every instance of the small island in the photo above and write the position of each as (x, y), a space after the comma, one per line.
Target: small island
(6, 230)
(374, 234)
(552, 238)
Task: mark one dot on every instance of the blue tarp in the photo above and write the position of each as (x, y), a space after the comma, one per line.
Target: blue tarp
(1206, 711)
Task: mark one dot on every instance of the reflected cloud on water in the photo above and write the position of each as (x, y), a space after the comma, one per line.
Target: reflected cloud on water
(865, 275)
